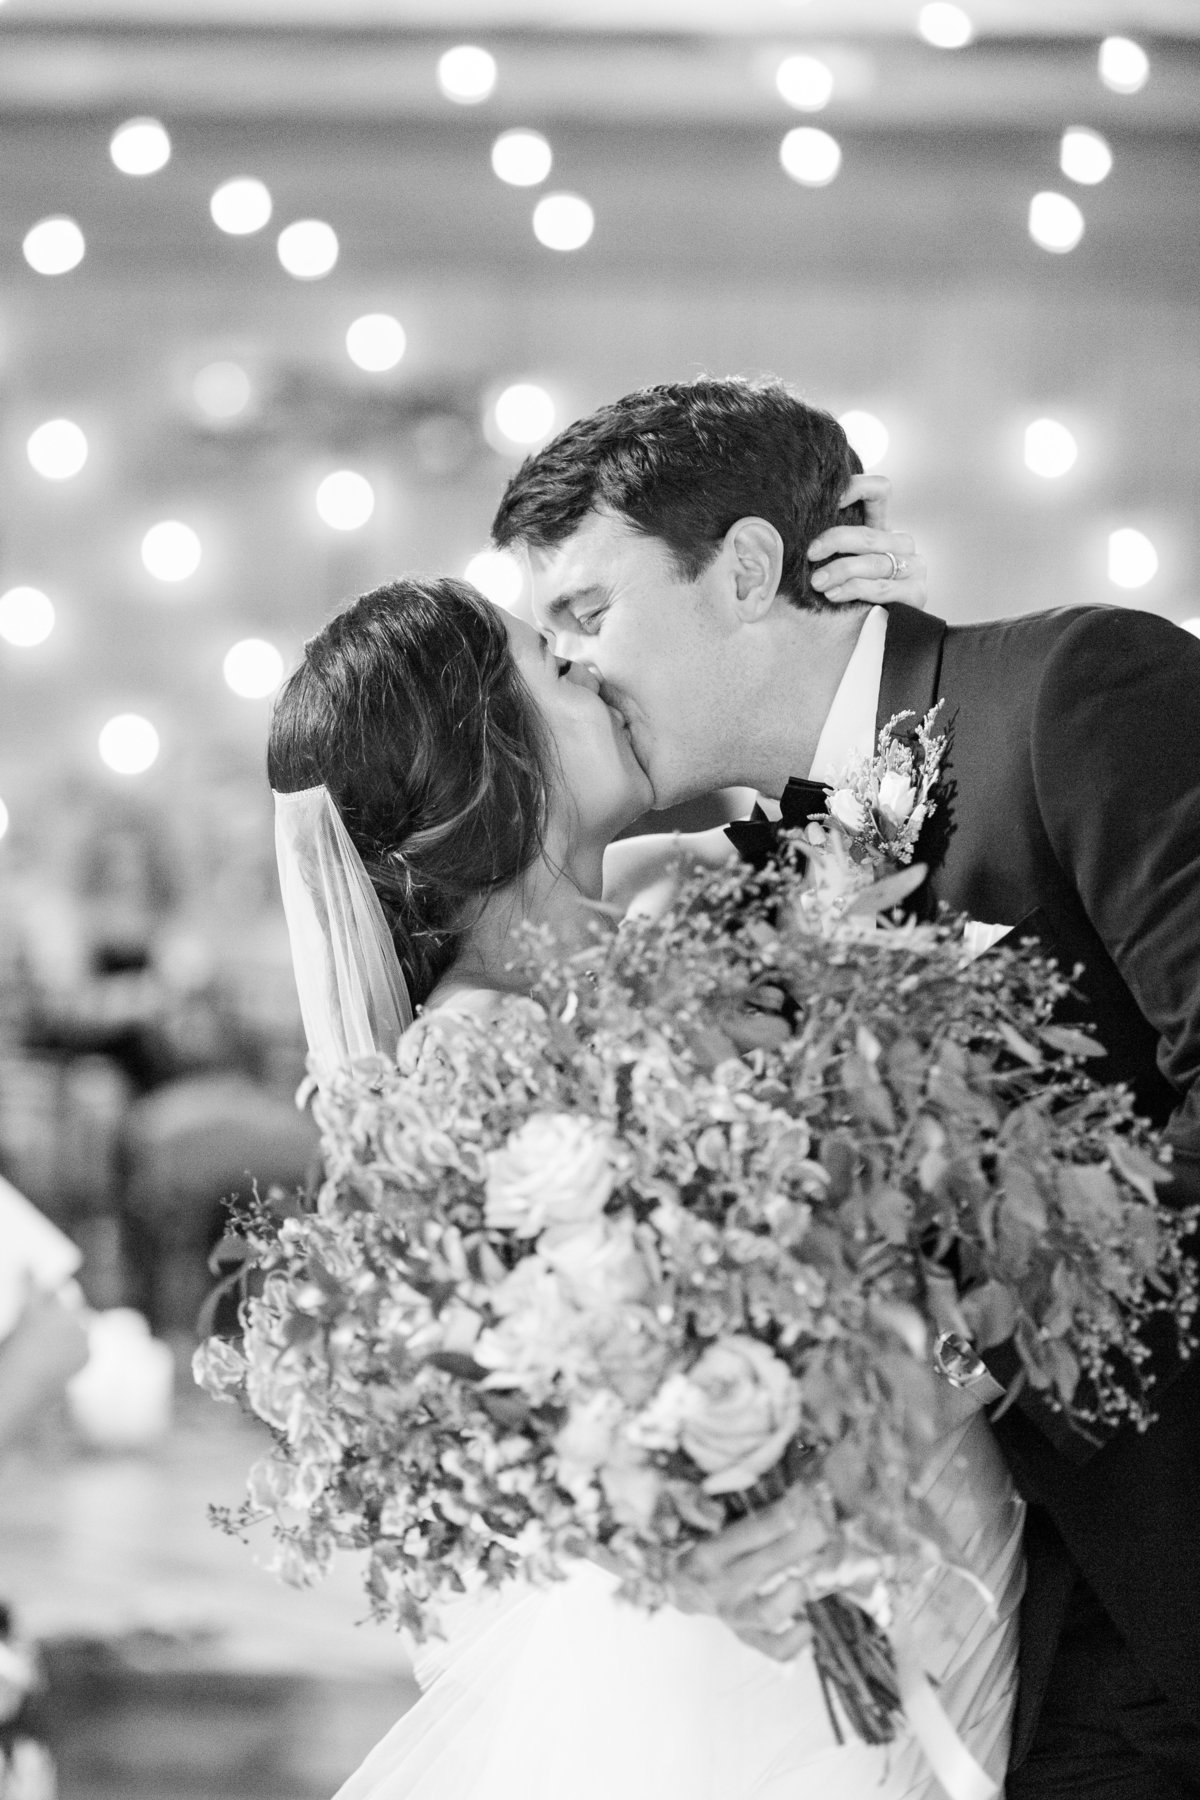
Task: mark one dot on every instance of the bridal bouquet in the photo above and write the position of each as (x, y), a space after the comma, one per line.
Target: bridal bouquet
(590, 1279)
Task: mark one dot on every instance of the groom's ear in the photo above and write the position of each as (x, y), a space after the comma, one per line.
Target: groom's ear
(754, 550)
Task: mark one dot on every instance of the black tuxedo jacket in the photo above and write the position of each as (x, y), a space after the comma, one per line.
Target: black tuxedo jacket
(1071, 808)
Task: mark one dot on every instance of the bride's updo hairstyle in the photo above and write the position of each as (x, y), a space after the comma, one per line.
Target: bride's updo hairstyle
(410, 708)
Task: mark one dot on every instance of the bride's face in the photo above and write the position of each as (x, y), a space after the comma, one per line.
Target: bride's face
(597, 777)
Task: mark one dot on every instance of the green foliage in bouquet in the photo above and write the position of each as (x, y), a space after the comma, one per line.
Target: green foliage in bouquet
(584, 1278)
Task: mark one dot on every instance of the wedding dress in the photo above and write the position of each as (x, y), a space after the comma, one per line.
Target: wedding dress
(569, 1693)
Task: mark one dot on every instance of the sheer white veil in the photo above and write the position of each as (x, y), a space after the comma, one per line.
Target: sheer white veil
(353, 997)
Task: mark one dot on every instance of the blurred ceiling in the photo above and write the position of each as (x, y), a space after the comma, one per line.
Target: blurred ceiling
(841, 18)
(707, 61)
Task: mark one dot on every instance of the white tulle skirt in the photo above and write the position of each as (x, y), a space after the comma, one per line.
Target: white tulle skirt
(568, 1693)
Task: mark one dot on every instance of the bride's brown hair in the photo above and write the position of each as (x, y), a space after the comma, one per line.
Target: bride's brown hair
(409, 707)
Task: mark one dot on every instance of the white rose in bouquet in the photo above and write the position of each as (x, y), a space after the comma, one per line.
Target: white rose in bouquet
(554, 1174)
(602, 1266)
(734, 1412)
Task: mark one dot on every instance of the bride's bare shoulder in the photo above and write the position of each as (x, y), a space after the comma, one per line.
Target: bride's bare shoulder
(482, 1005)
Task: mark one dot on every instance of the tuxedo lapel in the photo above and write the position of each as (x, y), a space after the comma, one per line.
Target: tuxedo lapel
(912, 664)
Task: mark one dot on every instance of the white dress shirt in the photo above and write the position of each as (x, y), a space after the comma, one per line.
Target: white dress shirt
(849, 728)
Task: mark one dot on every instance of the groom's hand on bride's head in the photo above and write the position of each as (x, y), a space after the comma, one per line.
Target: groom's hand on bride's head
(869, 562)
(748, 1575)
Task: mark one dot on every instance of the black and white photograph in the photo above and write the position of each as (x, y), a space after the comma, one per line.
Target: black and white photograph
(599, 900)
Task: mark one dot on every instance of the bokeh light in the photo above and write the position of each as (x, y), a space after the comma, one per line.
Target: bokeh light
(222, 390)
(810, 157)
(171, 551)
(805, 82)
(376, 342)
(522, 158)
(563, 222)
(128, 744)
(1084, 156)
(1055, 223)
(241, 206)
(947, 27)
(253, 668)
(524, 414)
(466, 74)
(140, 147)
(345, 500)
(868, 436)
(498, 574)
(1132, 558)
(53, 246)
(1050, 449)
(1124, 66)
(58, 449)
(308, 249)
(26, 617)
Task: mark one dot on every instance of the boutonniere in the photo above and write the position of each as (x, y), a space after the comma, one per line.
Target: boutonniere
(883, 802)
(874, 816)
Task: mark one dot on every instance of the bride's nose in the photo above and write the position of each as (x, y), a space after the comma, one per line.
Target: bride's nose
(584, 675)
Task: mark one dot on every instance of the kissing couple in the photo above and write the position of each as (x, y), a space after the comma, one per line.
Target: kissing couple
(704, 621)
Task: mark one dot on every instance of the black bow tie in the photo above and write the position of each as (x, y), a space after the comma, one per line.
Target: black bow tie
(755, 839)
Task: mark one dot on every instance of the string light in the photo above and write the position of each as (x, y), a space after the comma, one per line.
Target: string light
(946, 27)
(308, 249)
(810, 157)
(1084, 156)
(54, 246)
(376, 342)
(345, 500)
(524, 414)
(26, 617)
(58, 449)
(466, 74)
(522, 158)
(1124, 66)
(1050, 449)
(563, 222)
(128, 744)
(253, 668)
(805, 82)
(868, 436)
(241, 206)
(1132, 558)
(140, 147)
(497, 574)
(222, 390)
(1055, 223)
(171, 551)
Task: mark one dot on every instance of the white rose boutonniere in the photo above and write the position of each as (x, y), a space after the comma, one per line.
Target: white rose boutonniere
(874, 815)
(882, 802)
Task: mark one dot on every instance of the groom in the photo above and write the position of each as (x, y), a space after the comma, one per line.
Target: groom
(669, 537)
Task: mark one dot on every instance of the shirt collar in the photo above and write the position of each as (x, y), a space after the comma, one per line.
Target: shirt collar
(849, 728)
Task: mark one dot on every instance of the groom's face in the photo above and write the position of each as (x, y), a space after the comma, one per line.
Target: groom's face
(612, 598)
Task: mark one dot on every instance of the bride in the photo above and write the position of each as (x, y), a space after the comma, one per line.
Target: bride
(480, 781)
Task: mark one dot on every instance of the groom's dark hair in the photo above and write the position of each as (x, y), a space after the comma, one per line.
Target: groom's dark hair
(682, 463)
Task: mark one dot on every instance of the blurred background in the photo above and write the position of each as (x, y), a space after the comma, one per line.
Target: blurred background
(287, 288)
